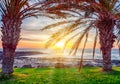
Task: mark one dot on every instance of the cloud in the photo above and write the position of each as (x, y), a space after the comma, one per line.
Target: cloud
(29, 39)
(34, 36)
(36, 23)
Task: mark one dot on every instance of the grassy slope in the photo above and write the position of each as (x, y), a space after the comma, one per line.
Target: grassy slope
(63, 76)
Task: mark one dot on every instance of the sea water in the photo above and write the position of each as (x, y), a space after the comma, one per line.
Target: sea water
(88, 53)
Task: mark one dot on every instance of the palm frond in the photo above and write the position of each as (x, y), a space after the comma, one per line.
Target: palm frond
(20, 8)
(68, 40)
(65, 22)
(63, 32)
(81, 61)
(54, 25)
(78, 41)
(94, 44)
(112, 4)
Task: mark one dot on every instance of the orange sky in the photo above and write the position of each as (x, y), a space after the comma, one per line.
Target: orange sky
(30, 44)
(27, 44)
(32, 37)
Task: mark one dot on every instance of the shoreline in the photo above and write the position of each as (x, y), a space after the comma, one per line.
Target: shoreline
(23, 53)
(51, 62)
(21, 60)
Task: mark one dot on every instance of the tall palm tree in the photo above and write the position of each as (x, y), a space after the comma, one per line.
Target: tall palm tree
(13, 12)
(102, 15)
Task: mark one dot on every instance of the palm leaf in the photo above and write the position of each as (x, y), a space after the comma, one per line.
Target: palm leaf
(78, 41)
(54, 25)
(61, 33)
(68, 40)
(61, 23)
(81, 61)
(95, 42)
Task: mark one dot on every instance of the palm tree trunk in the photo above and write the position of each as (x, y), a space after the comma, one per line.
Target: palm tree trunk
(106, 42)
(106, 54)
(107, 38)
(10, 38)
(8, 60)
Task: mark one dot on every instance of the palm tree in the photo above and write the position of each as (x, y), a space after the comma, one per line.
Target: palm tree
(13, 12)
(101, 15)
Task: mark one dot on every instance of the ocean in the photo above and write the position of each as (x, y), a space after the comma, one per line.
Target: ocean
(49, 57)
(49, 53)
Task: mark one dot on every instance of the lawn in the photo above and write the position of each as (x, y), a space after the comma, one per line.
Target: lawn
(88, 75)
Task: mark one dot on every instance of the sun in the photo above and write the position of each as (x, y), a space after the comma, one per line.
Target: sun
(59, 44)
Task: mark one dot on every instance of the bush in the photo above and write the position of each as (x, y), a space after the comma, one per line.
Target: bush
(59, 65)
(27, 66)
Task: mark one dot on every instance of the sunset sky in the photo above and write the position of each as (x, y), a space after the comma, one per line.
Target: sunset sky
(33, 37)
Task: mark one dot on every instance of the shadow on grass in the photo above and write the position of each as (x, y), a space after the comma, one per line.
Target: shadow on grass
(114, 72)
(12, 77)
(4, 77)
(93, 70)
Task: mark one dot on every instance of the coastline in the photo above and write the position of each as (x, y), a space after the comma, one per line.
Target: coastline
(23, 58)
(23, 53)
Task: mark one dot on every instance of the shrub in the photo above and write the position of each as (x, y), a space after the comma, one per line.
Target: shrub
(59, 65)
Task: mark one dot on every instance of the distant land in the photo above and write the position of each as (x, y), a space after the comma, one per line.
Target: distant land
(23, 53)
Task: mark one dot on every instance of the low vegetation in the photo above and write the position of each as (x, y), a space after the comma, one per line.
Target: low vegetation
(88, 75)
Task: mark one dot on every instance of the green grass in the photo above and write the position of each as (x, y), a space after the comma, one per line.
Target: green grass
(92, 75)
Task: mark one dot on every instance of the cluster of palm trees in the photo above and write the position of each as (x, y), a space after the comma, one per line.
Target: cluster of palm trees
(101, 15)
